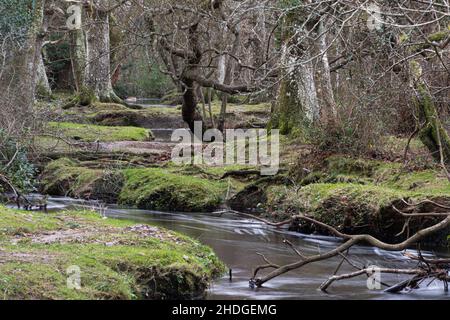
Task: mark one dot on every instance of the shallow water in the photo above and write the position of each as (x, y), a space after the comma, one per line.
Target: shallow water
(237, 242)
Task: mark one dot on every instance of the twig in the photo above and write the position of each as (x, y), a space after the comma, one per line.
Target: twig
(285, 241)
(325, 285)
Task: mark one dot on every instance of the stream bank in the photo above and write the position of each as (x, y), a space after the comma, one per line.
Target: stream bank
(117, 259)
(237, 241)
(352, 194)
(116, 163)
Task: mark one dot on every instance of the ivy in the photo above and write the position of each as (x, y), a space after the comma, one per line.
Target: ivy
(15, 165)
(15, 18)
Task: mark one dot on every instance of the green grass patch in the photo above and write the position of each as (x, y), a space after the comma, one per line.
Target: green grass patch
(116, 258)
(92, 133)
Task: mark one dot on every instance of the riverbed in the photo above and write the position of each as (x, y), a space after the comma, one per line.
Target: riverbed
(237, 242)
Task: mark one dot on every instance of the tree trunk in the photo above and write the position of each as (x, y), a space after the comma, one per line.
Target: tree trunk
(297, 99)
(18, 67)
(98, 67)
(189, 108)
(330, 110)
(78, 58)
(433, 134)
(221, 66)
(223, 112)
(42, 85)
(19, 75)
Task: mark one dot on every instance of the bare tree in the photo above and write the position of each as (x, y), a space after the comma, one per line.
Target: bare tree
(205, 44)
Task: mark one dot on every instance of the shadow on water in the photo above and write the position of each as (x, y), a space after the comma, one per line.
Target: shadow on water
(237, 242)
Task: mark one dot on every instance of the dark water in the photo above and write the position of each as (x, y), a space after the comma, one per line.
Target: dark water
(150, 103)
(237, 242)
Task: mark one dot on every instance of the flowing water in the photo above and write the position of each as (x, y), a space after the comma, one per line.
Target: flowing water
(237, 242)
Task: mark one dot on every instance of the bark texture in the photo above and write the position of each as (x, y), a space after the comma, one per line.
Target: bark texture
(297, 100)
(98, 67)
(18, 74)
(433, 134)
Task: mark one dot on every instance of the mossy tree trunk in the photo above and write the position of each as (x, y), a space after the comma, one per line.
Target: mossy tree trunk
(42, 84)
(433, 134)
(18, 73)
(297, 99)
(78, 57)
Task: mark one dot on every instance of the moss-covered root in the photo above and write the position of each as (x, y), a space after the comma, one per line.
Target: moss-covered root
(99, 258)
(84, 97)
(87, 97)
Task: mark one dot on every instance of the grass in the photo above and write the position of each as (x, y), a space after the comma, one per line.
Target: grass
(117, 259)
(92, 133)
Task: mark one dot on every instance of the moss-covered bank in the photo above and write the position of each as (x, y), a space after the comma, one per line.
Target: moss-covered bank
(162, 190)
(116, 259)
(111, 114)
(355, 196)
(92, 133)
(165, 188)
(66, 177)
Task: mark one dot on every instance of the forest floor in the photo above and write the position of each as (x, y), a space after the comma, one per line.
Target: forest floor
(114, 161)
(118, 155)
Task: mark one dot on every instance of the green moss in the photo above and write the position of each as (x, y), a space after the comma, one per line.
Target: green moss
(162, 190)
(438, 36)
(116, 259)
(352, 208)
(67, 177)
(84, 97)
(386, 174)
(357, 195)
(373, 196)
(92, 133)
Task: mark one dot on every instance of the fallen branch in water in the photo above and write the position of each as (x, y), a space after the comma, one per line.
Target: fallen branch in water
(428, 268)
(368, 271)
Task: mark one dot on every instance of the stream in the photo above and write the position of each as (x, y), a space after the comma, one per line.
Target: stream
(236, 241)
